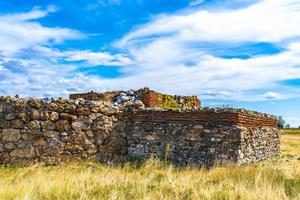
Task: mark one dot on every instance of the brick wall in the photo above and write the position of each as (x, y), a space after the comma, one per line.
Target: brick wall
(150, 98)
(223, 118)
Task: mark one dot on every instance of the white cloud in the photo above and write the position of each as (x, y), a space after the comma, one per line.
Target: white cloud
(166, 59)
(272, 95)
(28, 65)
(31, 66)
(265, 21)
(98, 58)
(172, 66)
(293, 121)
(19, 31)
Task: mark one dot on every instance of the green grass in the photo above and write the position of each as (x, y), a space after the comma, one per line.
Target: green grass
(272, 180)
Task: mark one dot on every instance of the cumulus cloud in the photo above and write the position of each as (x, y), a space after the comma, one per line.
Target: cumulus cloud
(33, 77)
(267, 20)
(27, 65)
(272, 95)
(19, 31)
(167, 58)
(30, 64)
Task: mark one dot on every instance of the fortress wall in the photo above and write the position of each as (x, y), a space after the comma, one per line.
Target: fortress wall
(60, 130)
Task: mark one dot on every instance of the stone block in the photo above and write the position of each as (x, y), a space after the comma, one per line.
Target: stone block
(10, 135)
(80, 125)
(17, 123)
(40, 142)
(9, 146)
(27, 152)
(4, 123)
(34, 125)
(1, 147)
(10, 116)
(63, 125)
(54, 116)
(48, 125)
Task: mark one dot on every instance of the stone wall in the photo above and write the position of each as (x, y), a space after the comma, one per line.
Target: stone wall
(189, 142)
(52, 131)
(36, 131)
(204, 137)
(258, 144)
(94, 96)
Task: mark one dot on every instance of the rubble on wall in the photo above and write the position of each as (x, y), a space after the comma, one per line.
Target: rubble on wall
(145, 96)
(129, 99)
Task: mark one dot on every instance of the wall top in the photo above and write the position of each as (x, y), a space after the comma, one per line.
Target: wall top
(159, 107)
(239, 117)
(147, 96)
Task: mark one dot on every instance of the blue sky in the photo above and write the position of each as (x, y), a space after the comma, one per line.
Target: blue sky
(241, 53)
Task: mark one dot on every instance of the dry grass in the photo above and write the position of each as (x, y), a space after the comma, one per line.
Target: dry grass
(276, 179)
(291, 131)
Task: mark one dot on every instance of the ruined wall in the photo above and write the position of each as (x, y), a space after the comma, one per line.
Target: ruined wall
(204, 137)
(36, 131)
(258, 144)
(154, 99)
(94, 96)
(59, 130)
(149, 97)
(189, 142)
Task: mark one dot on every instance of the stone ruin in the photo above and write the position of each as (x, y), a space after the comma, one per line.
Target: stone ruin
(145, 97)
(120, 125)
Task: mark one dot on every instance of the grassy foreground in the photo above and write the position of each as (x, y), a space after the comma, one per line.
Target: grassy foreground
(276, 179)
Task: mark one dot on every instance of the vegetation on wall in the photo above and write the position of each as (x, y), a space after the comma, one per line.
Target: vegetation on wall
(167, 101)
(176, 102)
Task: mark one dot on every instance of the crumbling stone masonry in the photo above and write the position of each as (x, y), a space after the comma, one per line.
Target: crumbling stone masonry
(204, 137)
(59, 130)
(149, 98)
(37, 131)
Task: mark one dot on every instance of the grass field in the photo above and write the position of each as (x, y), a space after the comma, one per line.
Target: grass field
(291, 131)
(275, 179)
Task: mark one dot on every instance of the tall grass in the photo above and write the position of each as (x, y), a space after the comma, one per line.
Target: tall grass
(276, 179)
